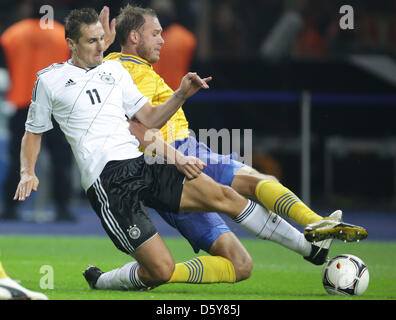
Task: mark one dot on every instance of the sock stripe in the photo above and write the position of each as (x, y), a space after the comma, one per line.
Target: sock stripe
(202, 269)
(192, 272)
(285, 203)
(195, 268)
(280, 220)
(284, 210)
(134, 278)
(291, 204)
(245, 213)
(280, 201)
(189, 270)
(265, 224)
(199, 271)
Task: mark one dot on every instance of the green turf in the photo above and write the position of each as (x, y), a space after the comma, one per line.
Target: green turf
(277, 274)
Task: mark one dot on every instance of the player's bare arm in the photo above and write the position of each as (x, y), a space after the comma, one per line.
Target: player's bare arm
(148, 138)
(30, 148)
(157, 117)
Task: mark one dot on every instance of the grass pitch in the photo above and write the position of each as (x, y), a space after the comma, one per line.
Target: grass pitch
(278, 273)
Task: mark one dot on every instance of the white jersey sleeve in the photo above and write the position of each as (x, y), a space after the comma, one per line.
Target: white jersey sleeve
(40, 109)
(90, 107)
(133, 99)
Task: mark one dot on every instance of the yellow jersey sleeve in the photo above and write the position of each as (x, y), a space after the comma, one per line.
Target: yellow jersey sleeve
(157, 91)
(153, 86)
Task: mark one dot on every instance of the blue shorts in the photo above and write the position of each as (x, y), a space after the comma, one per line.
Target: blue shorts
(202, 229)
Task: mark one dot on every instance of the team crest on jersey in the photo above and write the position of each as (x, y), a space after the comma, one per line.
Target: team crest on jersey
(134, 232)
(107, 78)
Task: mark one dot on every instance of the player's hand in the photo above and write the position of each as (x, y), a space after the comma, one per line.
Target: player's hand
(27, 183)
(190, 166)
(109, 28)
(190, 84)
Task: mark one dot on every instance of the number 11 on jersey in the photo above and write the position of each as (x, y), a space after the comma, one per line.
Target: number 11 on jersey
(92, 97)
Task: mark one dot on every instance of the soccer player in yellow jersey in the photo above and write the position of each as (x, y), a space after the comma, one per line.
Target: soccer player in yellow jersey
(139, 34)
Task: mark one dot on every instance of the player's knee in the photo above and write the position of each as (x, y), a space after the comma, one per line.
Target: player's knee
(228, 246)
(220, 198)
(157, 273)
(162, 274)
(247, 179)
(243, 267)
(271, 178)
(226, 193)
(227, 199)
(261, 176)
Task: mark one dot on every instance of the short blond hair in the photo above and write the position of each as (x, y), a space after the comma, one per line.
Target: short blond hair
(131, 18)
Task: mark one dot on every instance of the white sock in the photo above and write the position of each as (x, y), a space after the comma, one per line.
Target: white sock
(267, 225)
(124, 278)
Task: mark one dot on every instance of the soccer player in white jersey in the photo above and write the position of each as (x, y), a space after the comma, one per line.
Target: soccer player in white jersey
(89, 99)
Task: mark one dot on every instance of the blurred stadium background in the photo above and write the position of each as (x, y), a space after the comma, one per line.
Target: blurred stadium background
(321, 102)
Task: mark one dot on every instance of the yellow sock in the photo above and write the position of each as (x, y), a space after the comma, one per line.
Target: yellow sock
(205, 269)
(3, 274)
(282, 201)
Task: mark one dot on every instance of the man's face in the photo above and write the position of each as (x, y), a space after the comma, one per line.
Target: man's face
(88, 51)
(150, 40)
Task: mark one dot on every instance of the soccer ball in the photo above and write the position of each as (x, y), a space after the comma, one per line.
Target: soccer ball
(345, 274)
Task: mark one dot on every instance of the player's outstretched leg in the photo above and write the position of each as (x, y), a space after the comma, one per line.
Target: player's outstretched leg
(11, 290)
(279, 199)
(267, 225)
(146, 272)
(203, 194)
(203, 269)
(273, 195)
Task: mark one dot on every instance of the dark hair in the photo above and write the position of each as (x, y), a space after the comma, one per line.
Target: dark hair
(76, 18)
(131, 18)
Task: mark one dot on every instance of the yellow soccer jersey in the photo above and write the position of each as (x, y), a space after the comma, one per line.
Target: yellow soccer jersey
(156, 90)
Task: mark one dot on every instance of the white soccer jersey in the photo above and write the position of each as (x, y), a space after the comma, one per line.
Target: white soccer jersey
(90, 107)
